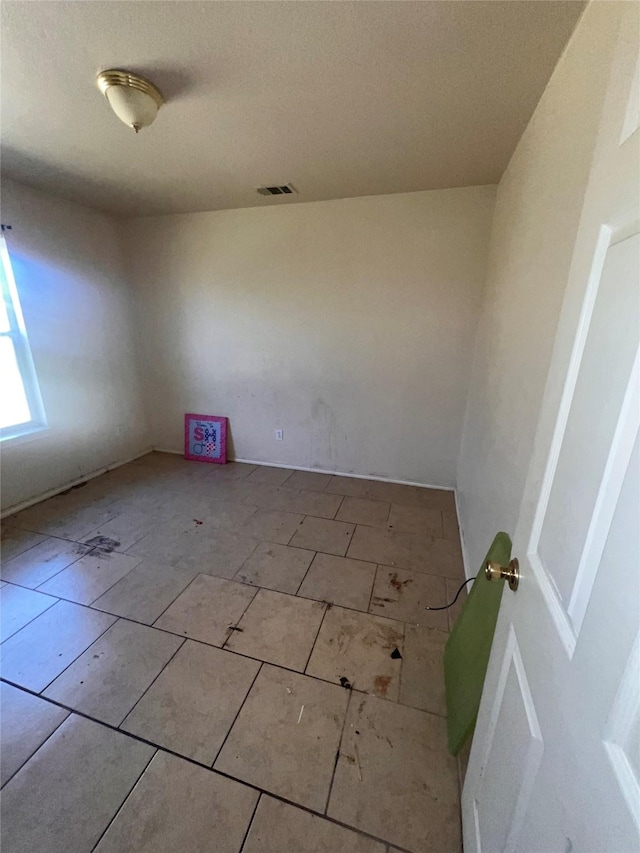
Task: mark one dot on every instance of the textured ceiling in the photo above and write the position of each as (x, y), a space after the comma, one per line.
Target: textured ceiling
(340, 98)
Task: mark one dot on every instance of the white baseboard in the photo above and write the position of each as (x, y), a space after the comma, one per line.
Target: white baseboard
(465, 557)
(12, 510)
(344, 474)
(324, 471)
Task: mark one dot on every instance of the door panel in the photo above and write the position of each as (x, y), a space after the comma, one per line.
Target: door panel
(622, 739)
(514, 722)
(617, 716)
(601, 383)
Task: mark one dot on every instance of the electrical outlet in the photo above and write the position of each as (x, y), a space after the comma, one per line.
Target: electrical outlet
(278, 435)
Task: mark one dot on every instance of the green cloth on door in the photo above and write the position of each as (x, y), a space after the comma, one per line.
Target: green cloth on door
(466, 654)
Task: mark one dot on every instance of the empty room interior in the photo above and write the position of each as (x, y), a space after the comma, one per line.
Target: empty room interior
(320, 400)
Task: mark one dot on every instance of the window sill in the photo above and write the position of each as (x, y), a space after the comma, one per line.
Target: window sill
(21, 435)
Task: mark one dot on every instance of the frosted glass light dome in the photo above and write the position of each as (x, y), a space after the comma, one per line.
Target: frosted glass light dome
(133, 99)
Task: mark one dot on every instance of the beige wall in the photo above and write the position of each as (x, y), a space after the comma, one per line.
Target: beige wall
(78, 314)
(348, 324)
(538, 208)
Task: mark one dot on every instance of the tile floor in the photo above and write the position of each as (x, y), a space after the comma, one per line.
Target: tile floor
(202, 658)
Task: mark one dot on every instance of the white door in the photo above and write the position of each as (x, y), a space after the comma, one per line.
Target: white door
(555, 763)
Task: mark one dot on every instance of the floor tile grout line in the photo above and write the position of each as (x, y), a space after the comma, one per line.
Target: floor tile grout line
(141, 560)
(342, 500)
(250, 586)
(40, 533)
(320, 517)
(309, 675)
(332, 820)
(297, 512)
(184, 589)
(23, 530)
(250, 824)
(217, 534)
(353, 533)
(245, 479)
(122, 804)
(149, 686)
(91, 644)
(299, 587)
(356, 609)
(292, 471)
(327, 608)
(133, 544)
(338, 751)
(55, 574)
(244, 563)
(40, 745)
(110, 726)
(240, 618)
(26, 550)
(196, 763)
(405, 568)
(26, 624)
(287, 544)
(289, 475)
(327, 817)
(373, 586)
(82, 603)
(230, 729)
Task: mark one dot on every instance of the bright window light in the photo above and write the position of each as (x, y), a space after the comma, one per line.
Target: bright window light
(21, 408)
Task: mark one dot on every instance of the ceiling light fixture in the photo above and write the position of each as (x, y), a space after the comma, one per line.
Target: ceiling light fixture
(133, 99)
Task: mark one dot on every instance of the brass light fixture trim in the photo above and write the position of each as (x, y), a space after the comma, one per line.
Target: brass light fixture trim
(114, 77)
(133, 110)
(495, 572)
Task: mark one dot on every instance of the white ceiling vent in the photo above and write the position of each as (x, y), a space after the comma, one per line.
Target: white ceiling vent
(286, 189)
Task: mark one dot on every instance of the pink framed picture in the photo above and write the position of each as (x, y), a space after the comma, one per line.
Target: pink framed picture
(205, 438)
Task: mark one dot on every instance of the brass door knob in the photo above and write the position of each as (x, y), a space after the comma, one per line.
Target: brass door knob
(495, 572)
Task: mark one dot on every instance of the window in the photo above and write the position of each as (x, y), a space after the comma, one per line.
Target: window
(20, 402)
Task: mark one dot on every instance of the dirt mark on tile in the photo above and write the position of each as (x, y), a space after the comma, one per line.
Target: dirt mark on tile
(381, 684)
(84, 550)
(343, 640)
(103, 544)
(376, 732)
(392, 639)
(397, 584)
